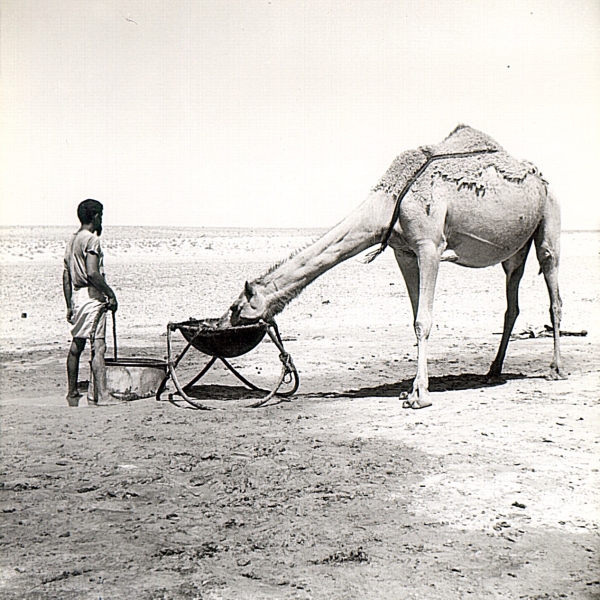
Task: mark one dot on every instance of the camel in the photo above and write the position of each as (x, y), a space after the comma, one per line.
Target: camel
(466, 201)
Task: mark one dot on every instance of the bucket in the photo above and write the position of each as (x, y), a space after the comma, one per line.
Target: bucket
(134, 378)
(131, 378)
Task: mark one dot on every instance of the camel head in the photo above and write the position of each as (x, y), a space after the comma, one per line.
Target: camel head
(250, 307)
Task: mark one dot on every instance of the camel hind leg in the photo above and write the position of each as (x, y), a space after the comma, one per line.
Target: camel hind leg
(514, 268)
(547, 246)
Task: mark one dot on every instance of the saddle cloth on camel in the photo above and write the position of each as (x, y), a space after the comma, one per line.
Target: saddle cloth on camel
(465, 170)
(462, 157)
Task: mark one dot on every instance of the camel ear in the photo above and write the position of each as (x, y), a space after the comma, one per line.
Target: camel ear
(248, 291)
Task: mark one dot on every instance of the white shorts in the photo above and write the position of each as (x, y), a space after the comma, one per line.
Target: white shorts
(87, 302)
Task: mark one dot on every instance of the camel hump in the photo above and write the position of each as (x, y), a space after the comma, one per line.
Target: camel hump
(405, 166)
(467, 139)
(466, 170)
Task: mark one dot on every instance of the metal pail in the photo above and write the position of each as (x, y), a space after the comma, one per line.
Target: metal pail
(134, 378)
(128, 378)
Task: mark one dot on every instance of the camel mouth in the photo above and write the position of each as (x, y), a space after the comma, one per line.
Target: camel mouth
(239, 321)
(223, 322)
(234, 318)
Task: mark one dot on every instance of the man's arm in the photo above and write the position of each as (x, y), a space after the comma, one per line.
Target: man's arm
(97, 280)
(68, 292)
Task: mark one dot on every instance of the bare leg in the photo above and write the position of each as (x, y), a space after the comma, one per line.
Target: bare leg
(420, 274)
(101, 394)
(547, 246)
(514, 268)
(77, 346)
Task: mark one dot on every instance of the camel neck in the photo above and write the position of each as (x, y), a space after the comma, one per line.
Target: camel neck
(362, 229)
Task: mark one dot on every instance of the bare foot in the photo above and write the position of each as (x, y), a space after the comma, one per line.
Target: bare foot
(108, 400)
(73, 399)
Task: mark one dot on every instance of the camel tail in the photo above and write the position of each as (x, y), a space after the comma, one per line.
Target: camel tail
(373, 255)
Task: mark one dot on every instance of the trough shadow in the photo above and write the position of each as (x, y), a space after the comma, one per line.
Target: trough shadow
(446, 383)
(223, 392)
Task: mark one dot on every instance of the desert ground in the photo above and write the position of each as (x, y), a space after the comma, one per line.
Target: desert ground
(339, 493)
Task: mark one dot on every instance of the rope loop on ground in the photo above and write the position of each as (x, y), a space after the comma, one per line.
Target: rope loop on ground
(288, 369)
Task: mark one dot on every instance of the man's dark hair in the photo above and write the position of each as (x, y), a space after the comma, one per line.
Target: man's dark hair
(88, 209)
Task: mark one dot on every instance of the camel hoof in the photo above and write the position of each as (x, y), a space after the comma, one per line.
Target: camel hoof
(416, 403)
(557, 375)
(494, 378)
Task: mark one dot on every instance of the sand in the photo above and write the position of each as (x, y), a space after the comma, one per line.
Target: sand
(340, 493)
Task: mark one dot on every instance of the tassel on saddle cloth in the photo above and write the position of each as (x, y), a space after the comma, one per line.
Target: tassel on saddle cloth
(472, 152)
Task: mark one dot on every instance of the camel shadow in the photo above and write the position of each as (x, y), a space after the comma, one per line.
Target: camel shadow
(445, 383)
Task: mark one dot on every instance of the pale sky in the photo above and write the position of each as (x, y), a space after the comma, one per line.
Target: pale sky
(282, 113)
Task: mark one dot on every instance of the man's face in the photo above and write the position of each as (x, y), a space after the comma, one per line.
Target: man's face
(98, 224)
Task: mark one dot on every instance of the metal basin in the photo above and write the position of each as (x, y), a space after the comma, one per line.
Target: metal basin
(224, 342)
(134, 378)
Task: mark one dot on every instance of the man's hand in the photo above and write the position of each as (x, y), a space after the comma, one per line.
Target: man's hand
(112, 304)
(70, 315)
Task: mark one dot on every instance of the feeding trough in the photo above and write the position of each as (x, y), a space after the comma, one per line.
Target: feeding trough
(221, 343)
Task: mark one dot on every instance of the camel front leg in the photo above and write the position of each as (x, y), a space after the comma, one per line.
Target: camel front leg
(420, 274)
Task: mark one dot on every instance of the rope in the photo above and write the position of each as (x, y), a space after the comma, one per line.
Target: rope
(288, 370)
(386, 238)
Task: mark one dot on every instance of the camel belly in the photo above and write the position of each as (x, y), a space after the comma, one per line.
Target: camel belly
(485, 227)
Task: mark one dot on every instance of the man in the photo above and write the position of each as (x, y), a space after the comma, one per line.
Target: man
(86, 293)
